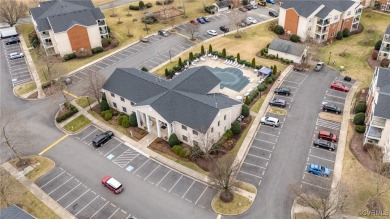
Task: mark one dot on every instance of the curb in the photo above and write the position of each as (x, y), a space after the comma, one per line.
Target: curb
(219, 213)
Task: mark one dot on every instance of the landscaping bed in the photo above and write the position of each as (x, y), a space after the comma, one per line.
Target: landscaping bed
(45, 165)
(77, 124)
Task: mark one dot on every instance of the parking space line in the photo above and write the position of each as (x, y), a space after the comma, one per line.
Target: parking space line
(77, 198)
(313, 147)
(53, 179)
(335, 96)
(292, 82)
(250, 174)
(258, 156)
(321, 158)
(201, 194)
(264, 141)
(163, 178)
(99, 209)
(262, 148)
(314, 185)
(343, 82)
(316, 176)
(68, 192)
(113, 149)
(255, 165)
(60, 185)
(299, 73)
(87, 205)
(268, 134)
(152, 172)
(289, 86)
(175, 183)
(188, 189)
(140, 166)
(341, 103)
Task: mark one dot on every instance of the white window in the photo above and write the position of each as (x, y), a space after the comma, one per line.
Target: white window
(336, 17)
(114, 104)
(132, 103)
(224, 129)
(224, 117)
(195, 143)
(309, 19)
(219, 123)
(194, 132)
(185, 138)
(124, 109)
(212, 129)
(122, 99)
(112, 94)
(349, 13)
(184, 127)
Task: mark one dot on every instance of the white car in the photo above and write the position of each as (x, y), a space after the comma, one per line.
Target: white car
(251, 20)
(16, 55)
(212, 32)
(268, 120)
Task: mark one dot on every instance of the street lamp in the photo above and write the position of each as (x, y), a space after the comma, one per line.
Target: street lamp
(330, 54)
(170, 56)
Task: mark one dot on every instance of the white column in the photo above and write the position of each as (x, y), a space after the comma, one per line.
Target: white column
(169, 129)
(143, 118)
(158, 128)
(147, 122)
(138, 120)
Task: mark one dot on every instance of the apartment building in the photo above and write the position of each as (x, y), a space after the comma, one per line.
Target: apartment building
(384, 51)
(385, 5)
(378, 112)
(65, 26)
(319, 20)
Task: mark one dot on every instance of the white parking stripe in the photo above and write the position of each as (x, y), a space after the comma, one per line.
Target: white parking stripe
(88, 134)
(53, 178)
(60, 185)
(343, 82)
(188, 189)
(99, 209)
(268, 134)
(152, 172)
(290, 86)
(307, 164)
(163, 178)
(341, 103)
(335, 96)
(140, 166)
(321, 158)
(87, 205)
(113, 149)
(314, 185)
(175, 183)
(258, 156)
(317, 176)
(292, 82)
(313, 147)
(251, 174)
(264, 141)
(262, 148)
(201, 195)
(254, 165)
(77, 198)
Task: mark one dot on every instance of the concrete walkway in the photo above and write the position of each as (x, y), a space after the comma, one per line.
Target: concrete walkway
(35, 190)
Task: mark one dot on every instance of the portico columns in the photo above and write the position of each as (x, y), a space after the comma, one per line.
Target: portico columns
(147, 122)
(138, 119)
(158, 128)
(169, 129)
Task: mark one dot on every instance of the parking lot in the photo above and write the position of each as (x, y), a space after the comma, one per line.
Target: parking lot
(78, 198)
(260, 152)
(18, 68)
(141, 166)
(153, 61)
(322, 156)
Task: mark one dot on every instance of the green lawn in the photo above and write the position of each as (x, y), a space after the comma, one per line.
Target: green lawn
(232, 207)
(256, 106)
(277, 110)
(83, 101)
(77, 124)
(189, 165)
(358, 47)
(25, 88)
(241, 139)
(45, 165)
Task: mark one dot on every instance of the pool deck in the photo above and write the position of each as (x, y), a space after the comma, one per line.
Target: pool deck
(248, 72)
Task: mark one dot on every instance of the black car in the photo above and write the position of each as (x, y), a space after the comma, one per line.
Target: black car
(328, 107)
(278, 102)
(283, 91)
(12, 41)
(163, 33)
(224, 29)
(273, 14)
(249, 7)
(206, 19)
(102, 138)
(324, 144)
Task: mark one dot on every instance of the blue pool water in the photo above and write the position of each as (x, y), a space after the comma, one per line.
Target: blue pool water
(231, 78)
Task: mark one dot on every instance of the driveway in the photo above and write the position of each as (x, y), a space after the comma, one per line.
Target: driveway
(278, 157)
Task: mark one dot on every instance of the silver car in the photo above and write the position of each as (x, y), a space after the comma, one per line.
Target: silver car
(268, 120)
(16, 55)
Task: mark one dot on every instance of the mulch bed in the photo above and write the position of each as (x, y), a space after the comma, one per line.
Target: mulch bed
(33, 95)
(265, 92)
(204, 162)
(373, 63)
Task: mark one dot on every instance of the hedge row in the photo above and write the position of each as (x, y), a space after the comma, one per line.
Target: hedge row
(98, 49)
(179, 150)
(73, 110)
(69, 56)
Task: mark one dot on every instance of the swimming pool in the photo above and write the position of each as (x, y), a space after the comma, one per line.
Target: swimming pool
(232, 78)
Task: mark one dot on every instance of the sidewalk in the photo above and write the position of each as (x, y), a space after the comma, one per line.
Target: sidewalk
(35, 190)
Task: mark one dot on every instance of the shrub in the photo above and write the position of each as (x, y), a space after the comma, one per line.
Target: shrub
(269, 80)
(374, 55)
(184, 153)
(69, 56)
(176, 149)
(125, 122)
(104, 105)
(107, 115)
(247, 100)
(278, 30)
(144, 69)
(385, 63)
(202, 49)
(245, 2)
(106, 42)
(261, 87)
(378, 45)
(35, 43)
(238, 57)
(149, 5)
(173, 140)
(295, 38)
(236, 127)
(367, 146)
(359, 119)
(196, 152)
(133, 120)
(360, 128)
(224, 52)
(215, 148)
(159, 3)
(210, 48)
(73, 110)
(228, 134)
(134, 7)
(98, 49)
(149, 18)
(339, 35)
(245, 110)
(46, 85)
(274, 70)
(141, 5)
(120, 119)
(361, 107)
(346, 32)
(191, 56)
(385, 168)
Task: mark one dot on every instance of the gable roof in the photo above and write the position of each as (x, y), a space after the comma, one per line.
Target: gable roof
(174, 100)
(60, 15)
(383, 83)
(307, 7)
(287, 47)
(13, 212)
(383, 80)
(387, 30)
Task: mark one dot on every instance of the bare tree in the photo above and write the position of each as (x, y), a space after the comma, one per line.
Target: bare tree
(324, 202)
(236, 17)
(172, 21)
(95, 83)
(207, 144)
(48, 63)
(112, 10)
(192, 29)
(14, 135)
(381, 182)
(11, 11)
(222, 176)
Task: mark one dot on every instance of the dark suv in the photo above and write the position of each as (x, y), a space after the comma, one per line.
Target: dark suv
(283, 91)
(224, 29)
(328, 107)
(278, 102)
(324, 144)
(13, 40)
(102, 138)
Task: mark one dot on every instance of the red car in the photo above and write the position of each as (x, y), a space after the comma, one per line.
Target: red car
(339, 87)
(112, 184)
(327, 136)
(193, 22)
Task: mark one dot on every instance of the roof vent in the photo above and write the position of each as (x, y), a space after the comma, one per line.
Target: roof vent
(216, 105)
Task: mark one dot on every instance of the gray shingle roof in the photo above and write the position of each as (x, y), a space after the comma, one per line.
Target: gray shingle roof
(13, 212)
(387, 30)
(384, 80)
(60, 15)
(382, 108)
(306, 7)
(287, 47)
(223, 4)
(184, 99)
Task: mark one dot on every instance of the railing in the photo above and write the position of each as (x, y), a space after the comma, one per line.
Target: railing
(323, 22)
(101, 23)
(103, 31)
(357, 19)
(47, 44)
(378, 122)
(45, 35)
(374, 132)
(358, 11)
(385, 49)
(322, 31)
(386, 39)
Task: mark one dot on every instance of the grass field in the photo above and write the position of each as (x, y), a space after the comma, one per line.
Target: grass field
(358, 47)
(77, 124)
(256, 106)
(83, 101)
(232, 207)
(25, 88)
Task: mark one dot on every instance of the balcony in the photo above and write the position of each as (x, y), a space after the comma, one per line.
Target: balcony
(322, 30)
(323, 22)
(386, 39)
(374, 133)
(359, 11)
(356, 20)
(378, 122)
(101, 23)
(47, 44)
(385, 49)
(45, 35)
